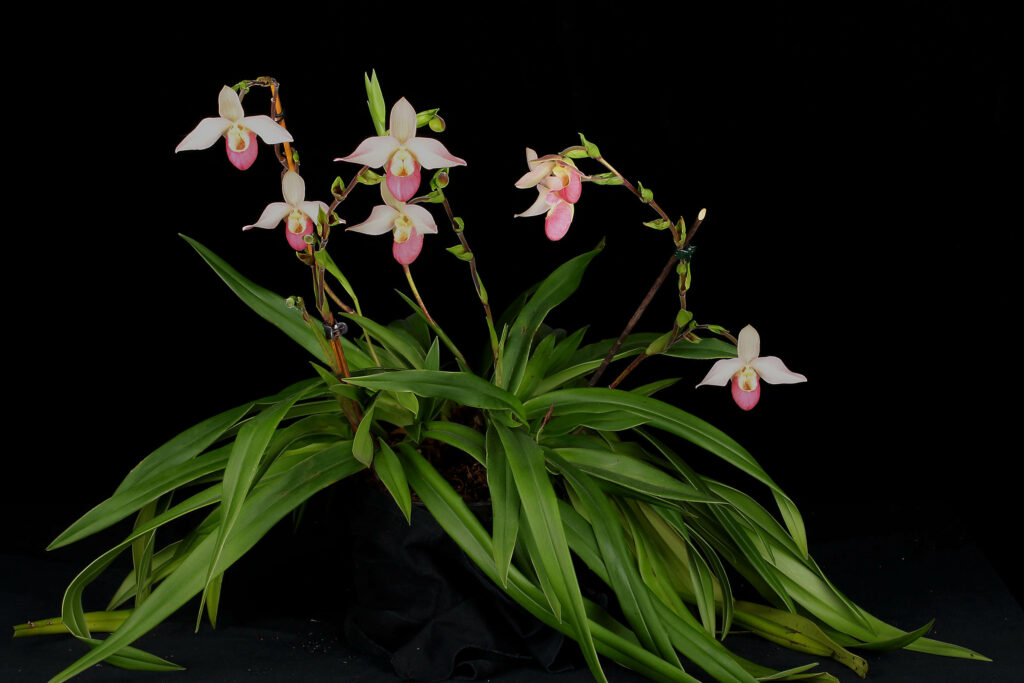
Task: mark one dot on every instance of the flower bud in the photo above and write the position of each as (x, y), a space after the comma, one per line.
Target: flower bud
(436, 124)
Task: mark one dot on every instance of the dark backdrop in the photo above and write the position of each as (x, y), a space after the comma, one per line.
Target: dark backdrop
(848, 162)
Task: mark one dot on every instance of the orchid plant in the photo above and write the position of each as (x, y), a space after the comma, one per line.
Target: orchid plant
(576, 469)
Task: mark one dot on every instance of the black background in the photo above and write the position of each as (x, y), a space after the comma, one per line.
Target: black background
(850, 161)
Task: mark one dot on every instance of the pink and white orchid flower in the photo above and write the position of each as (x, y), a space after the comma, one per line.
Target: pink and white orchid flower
(239, 131)
(299, 215)
(401, 153)
(747, 368)
(559, 185)
(408, 222)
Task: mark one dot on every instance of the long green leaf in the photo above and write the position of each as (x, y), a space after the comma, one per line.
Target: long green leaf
(461, 387)
(270, 306)
(267, 504)
(163, 470)
(128, 501)
(633, 596)
(399, 343)
(465, 438)
(688, 638)
(389, 468)
(540, 509)
(669, 418)
(240, 472)
(504, 505)
(632, 473)
(555, 289)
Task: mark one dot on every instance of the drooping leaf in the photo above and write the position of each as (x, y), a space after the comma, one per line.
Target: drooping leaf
(270, 306)
(389, 468)
(461, 387)
(555, 289)
(271, 500)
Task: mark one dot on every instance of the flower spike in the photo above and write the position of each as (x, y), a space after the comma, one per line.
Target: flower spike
(401, 153)
(747, 368)
(299, 215)
(408, 222)
(239, 131)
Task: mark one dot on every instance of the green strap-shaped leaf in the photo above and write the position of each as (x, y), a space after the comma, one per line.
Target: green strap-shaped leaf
(466, 439)
(270, 306)
(688, 637)
(504, 505)
(540, 509)
(398, 343)
(122, 504)
(461, 387)
(362, 443)
(555, 289)
(184, 446)
(632, 473)
(269, 502)
(240, 472)
(671, 419)
(389, 468)
(633, 596)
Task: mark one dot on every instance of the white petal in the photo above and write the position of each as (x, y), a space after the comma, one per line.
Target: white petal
(381, 220)
(534, 176)
(722, 371)
(432, 154)
(402, 121)
(313, 209)
(749, 345)
(373, 152)
(229, 105)
(539, 206)
(774, 371)
(389, 199)
(205, 134)
(272, 215)
(269, 130)
(293, 187)
(530, 155)
(421, 220)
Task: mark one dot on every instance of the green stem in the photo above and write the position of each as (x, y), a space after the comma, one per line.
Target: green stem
(97, 622)
(478, 285)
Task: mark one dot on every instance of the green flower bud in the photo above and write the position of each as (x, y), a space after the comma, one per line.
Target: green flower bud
(437, 124)
(424, 117)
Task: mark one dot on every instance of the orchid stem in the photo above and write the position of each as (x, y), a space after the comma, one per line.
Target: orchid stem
(654, 205)
(319, 285)
(632, 366)
(478, 285)
(669, 266)
(416, 293)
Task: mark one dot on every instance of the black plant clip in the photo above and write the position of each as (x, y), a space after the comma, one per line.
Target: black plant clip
(336, 330)
(686, 254)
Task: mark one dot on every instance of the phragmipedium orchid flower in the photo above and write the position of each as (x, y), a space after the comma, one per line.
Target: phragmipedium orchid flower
(748, 368)
(299, 215)
(559, 185)
(408, 222)
(239, 131)
(401, 153)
